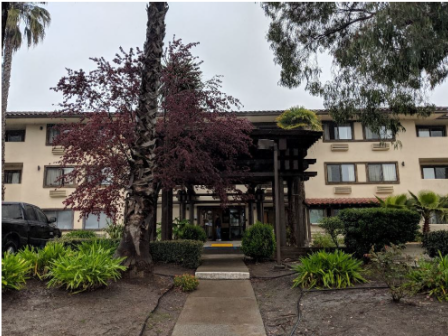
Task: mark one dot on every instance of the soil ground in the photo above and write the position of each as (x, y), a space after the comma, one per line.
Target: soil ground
(352, 312)
(119, 309)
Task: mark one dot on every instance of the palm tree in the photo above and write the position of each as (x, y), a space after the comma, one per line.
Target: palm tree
(140, 205)
(394, 202)
(23, 20)
(426, 204)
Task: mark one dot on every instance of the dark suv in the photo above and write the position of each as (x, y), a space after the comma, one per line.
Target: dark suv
(25, 224)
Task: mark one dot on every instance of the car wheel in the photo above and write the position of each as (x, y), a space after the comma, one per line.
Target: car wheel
(11, 246)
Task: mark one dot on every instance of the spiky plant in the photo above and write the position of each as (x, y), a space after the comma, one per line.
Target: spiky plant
(394, 202)
(299, 117)
(426, 204)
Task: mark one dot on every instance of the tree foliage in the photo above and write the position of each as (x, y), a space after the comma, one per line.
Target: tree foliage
(198, 139)
(385, 55)
(299, 117)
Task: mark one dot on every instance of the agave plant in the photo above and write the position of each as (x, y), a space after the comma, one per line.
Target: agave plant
(427, 203)
(393, 202)
(299, 117)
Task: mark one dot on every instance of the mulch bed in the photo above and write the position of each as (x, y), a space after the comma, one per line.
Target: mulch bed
(352, 312)
(119, 309)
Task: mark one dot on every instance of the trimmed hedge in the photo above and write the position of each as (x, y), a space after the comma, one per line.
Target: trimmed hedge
(193, 232)
(434, 242)
(81, 234)
(185, 252)
(259, 241)
(377, 227)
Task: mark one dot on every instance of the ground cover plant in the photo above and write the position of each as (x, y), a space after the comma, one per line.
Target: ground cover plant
(15, 271)
(80, 234)
(259, 241)
(328, 269)
(186, 282)
(40, 259)
(435, 242)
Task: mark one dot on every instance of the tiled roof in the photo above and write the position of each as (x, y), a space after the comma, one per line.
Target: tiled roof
(326, 201)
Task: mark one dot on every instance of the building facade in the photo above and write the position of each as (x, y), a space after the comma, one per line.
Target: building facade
(352, 164)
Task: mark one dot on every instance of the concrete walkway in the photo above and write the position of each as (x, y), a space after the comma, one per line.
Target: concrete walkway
(222, 267)
(221, 307)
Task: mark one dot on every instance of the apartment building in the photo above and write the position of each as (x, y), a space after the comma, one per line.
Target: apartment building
(352, 164)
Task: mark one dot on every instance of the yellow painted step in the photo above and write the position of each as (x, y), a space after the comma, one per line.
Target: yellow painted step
(222, 245)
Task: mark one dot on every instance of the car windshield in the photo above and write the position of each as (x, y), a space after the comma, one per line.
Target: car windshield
(11, 211)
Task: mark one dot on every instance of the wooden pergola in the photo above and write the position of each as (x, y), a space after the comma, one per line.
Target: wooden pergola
(292, 172)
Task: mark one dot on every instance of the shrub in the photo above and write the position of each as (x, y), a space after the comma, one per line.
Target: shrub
(297, 117)
(259, 241)
(90, 267)
(186, 282)
(185, 252)
(432, 276)
(81, 234)
(14, 271)
(377, 227)
(74, 243)
(323, 269)
(393, 268)
(436, 241)
(193, 232)
(334, 227)
(108, 245)
(114, 230)
(178, 227)
(325, 241)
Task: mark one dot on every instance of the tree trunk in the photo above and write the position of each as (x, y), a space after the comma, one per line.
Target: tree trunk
(140, 209)
(5, 9)
(6, 81)
(426, 224)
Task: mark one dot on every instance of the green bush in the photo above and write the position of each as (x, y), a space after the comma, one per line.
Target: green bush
(436, 241)
(185, 252)
(186, 282)
(259, 241)
(80, 234)
(323, 269)
(432, 276)
(299, 117)
(334, 227)
(325, 241)
(114, 230)
(193, 232)
(74, 243)
(88, 268)
(377, 227)
(14, 271)
(40, 259)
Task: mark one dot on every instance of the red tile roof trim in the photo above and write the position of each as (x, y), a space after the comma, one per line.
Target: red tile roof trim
(326, 201)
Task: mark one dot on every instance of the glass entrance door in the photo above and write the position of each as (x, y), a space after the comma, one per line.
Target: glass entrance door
(233, 220)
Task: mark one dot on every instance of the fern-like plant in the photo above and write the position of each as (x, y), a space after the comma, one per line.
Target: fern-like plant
(394, 202)
(14, 271)
(323, 269)
(299, 117)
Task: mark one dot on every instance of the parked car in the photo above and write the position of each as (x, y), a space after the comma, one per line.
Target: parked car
(25, 224)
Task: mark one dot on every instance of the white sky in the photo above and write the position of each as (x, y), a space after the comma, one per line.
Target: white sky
(233, 44)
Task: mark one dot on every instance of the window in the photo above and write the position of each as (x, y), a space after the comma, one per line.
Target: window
(382, 172)
(107, 177)
(11, 211)
(29, 211)
(333, 131)
(53, 177)
(12, 176)
(316, 215)
(14, 135)
(64, 218)
(431, 131)
(338, 173)
(94, 223)
(40, 215)
(435, 172)
(52, 133)
(437, 218)
(381, 135)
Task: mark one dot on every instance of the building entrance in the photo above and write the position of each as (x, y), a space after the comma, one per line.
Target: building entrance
(233, 222)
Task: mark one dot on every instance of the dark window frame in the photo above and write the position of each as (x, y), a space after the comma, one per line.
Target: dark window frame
(61, 181)
(431, 128)
(434, 167)
(47, 136)
(12, 170)
(397, 181)
(333, 124)
(21, 132)
(364, 136)
(84, 220)
(56, 210)
(354, 164)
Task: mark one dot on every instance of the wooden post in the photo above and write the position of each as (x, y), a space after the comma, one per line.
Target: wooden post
(191, 206)
(260, 205)
(302, 225)
(281, 210)
(165, 215)
(169, 214)
(153, 221)
(250, 215)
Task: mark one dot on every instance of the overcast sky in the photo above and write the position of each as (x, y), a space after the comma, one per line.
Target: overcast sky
(232, 40)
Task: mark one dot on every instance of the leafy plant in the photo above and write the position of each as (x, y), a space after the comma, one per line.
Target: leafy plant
(108, 245)
(394, 202)
(90, 267)
(426, 203)
(178, 227)
(325, 241)
(186, 282)
(114, 230)
(80, 234)
(14, 271)
(193, 232)
(432, 276)
(299, 117)
(259, 241)
(185, 252)
(323, 269)
(435, 242)
(393, 268)
(334, 227)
